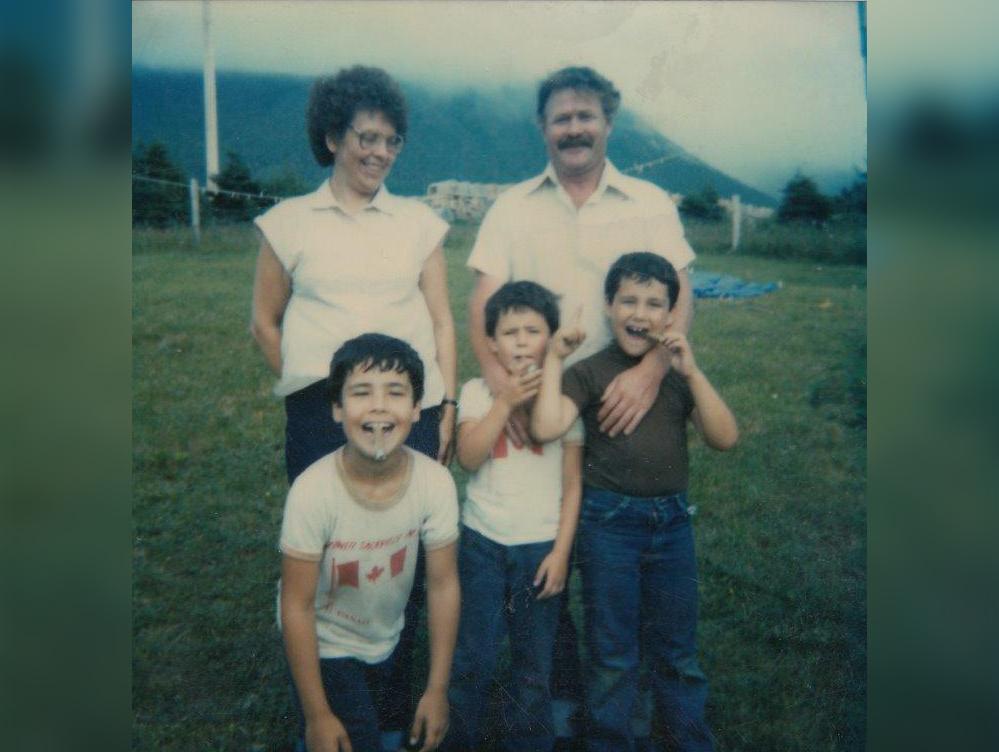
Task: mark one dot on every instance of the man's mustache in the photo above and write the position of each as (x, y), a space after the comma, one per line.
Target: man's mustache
(570, 141)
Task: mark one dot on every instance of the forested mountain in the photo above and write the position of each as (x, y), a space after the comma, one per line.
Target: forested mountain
(478, 135)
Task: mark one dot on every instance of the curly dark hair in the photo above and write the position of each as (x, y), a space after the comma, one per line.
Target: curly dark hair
(516, 296)
(580, 78)
(334, 100)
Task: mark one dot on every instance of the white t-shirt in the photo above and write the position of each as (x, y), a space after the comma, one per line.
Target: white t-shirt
(535, 232)
(352, 274)
(516, 495)
(366, 555)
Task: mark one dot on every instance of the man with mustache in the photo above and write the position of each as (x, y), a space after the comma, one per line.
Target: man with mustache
(563, 229)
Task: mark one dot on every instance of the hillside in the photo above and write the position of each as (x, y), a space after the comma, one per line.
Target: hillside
(481, 136)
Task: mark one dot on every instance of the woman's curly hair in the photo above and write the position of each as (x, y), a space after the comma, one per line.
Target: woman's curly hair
(334, 100)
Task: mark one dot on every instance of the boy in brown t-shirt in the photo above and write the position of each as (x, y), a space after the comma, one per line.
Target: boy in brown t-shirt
(635, 542)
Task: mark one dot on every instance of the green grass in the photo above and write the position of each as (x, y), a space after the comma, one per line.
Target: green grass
(780, 523)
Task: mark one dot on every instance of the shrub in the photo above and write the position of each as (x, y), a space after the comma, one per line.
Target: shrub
(703, 205)
(803, 202)
(156, 204)
(244, 202)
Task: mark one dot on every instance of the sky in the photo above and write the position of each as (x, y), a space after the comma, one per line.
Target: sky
(756, 89)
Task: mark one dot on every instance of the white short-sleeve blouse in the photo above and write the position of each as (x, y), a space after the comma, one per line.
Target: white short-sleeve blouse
(351, 274)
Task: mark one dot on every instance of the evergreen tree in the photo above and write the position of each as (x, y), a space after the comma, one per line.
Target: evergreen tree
(853, 200)
(803, 202)
(153, 203)
(703, 205)
(235, 176)
(287, 183)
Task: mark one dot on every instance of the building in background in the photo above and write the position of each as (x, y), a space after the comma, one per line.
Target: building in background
(469, 202)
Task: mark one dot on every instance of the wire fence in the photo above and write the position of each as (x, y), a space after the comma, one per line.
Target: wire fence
(253, 202)
(205, 190)
(636, 169)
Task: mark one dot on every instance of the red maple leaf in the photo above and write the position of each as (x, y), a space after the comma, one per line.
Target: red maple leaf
(375, 573)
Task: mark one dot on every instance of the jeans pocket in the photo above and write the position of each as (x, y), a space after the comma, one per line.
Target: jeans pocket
(600, 510)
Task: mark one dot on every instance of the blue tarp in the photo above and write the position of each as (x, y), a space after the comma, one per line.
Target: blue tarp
(708, 285)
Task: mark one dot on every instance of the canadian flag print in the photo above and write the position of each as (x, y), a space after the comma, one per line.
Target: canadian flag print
(348, 574)
(502, 450)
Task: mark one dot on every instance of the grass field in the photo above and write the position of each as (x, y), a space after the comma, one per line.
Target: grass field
(780, 524)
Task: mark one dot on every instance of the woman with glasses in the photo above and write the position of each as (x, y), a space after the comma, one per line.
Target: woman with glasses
(347, 259)
(351, 258)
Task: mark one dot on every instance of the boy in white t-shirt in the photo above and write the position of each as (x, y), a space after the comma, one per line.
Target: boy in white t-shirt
(349, 539)
(518, 524)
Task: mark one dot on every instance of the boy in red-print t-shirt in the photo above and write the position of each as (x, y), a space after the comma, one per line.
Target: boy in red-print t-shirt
(352, 524)
(518, 523)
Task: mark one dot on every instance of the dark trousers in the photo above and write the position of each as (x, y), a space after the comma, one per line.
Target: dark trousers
(498, 598)
(360, 695)
(636, 558)
(311, 433)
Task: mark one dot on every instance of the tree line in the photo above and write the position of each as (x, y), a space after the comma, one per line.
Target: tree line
(801, 202)
(167, 203)
(163, 204)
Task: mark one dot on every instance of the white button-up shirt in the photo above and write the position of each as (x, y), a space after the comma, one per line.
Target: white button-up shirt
(535, 232)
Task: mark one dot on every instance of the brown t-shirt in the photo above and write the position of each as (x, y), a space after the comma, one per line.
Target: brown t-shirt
(652, 461)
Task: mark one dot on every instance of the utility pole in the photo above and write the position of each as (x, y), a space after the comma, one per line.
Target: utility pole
(736, 207)
(211, 116)
(862, 20)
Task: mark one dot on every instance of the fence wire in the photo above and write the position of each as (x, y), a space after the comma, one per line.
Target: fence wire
(204, 190)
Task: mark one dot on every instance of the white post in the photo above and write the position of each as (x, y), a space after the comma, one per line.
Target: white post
(211, 116)
(195, 210)
(736, 221)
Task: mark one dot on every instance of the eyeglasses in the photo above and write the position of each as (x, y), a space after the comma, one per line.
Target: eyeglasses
(371, 139)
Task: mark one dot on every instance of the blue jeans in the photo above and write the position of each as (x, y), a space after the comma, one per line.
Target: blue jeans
(360, 695)
(498, 596)
(639, 575)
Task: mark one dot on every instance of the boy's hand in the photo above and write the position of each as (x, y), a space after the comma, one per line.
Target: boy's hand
(516, 425)
(569, 337)
(326, 734)
(431, 720)
(681, 356)
(521, 388)
(553, 572)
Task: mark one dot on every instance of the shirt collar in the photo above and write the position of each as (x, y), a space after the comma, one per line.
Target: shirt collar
(614, 179)
(323, 198)
(610, 178)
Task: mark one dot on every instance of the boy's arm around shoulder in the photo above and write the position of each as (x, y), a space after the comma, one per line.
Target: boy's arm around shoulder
(323, 730)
